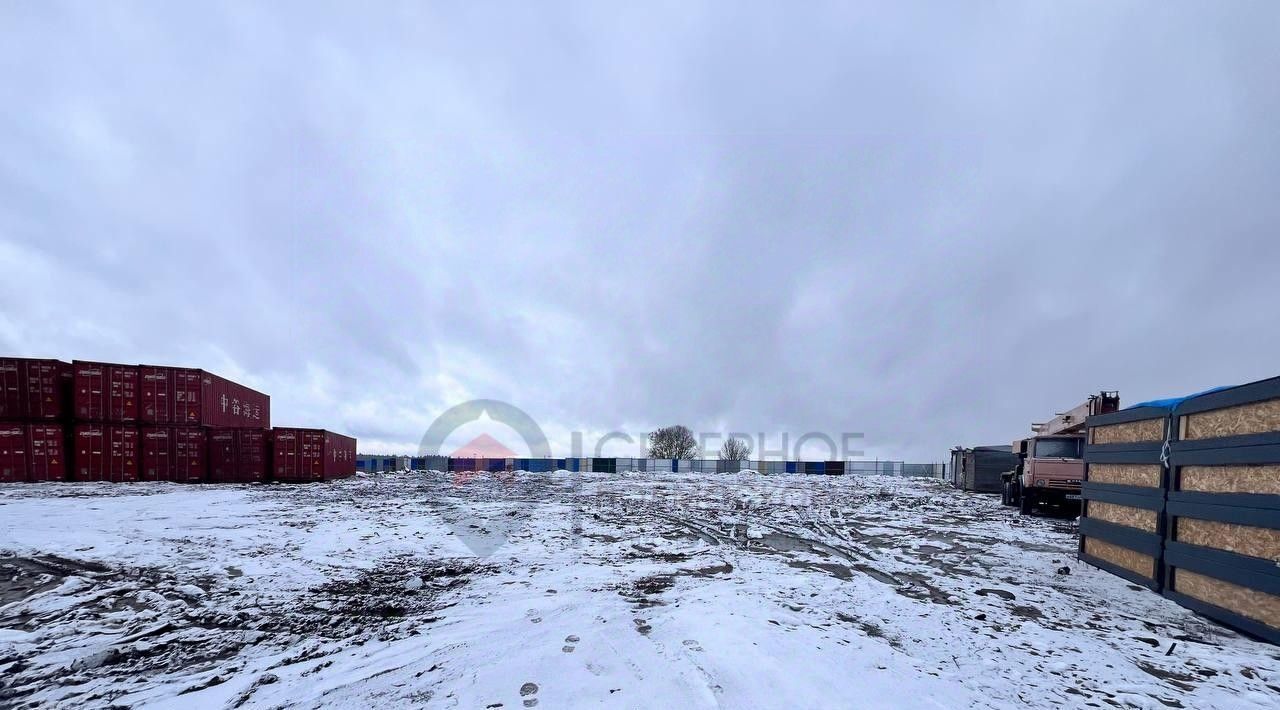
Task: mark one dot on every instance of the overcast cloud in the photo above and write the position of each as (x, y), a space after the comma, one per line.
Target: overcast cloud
(932, 223)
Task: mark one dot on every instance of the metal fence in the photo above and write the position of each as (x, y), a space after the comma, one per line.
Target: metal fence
(646, 465)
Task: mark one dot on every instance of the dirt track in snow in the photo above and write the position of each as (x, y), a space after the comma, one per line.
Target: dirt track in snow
(566, 590)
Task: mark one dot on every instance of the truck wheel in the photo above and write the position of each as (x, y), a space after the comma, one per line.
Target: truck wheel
(1027, 503)
(1004, 495)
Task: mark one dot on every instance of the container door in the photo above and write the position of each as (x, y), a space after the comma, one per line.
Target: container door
(156, 396)
(188, 455)
(313, 455)
(43, 393)
(157, 455)
(46, 452)
(13, 454)
(11, 390)
(222, 456)
(186, 397)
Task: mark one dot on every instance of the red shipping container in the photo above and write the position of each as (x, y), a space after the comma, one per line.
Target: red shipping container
(13, 453)
(47, 452)
(232, 405)
(255, 455)
(105, 392)
(223, 450)
(302, 455)
(187, 396)
(105, 452)
(237, 455)
(157, 454)
(33, 389)
(189, 459)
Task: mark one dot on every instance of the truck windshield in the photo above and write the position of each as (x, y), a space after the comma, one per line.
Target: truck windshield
(1058, 448)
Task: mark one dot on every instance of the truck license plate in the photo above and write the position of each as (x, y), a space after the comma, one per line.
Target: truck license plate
(1073, 497)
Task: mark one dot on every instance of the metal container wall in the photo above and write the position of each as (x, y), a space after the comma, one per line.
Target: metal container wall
(340, 456)
(170, 395)
(303, 455)
(105, 392)
(155, 397)
(46, 452)
(157, 454)
(298, 455)
(224, 403)
(105, 452)
(223, 451)
(34, 389)
(254, 461)
(189, 454)
(14, 458)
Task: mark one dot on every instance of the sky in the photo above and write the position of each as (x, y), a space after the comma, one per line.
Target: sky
(930, 224)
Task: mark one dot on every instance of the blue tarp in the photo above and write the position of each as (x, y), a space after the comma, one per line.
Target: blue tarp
(1172, 402)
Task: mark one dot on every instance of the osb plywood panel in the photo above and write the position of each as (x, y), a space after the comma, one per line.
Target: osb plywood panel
(1135, 562)
(1232, 479)
(1241, 539)
(1126, 474)
(1141, 430)
(1144, 520)
(1250, 603)
(1252, 418)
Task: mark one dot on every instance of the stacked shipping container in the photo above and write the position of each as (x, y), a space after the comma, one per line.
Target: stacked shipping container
(302, 455)
(35, 398)
(116, 422)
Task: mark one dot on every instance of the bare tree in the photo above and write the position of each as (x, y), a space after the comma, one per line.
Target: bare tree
(673, 442)
(734, 450)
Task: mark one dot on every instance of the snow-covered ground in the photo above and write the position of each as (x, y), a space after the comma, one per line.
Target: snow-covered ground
(568, 590)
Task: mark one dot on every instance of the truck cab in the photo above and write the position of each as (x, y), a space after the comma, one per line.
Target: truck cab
(1051, 470)
(1050, 465)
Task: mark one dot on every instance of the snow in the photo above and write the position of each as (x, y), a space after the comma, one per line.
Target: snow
(569, 590)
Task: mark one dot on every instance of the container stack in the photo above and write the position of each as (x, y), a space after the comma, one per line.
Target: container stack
(1222, 548)
(1123, 493)
(307, 455)
(239, 455)
(101, 421)
(35, 401)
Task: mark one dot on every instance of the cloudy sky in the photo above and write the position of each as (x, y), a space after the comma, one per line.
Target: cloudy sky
(930, 223)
